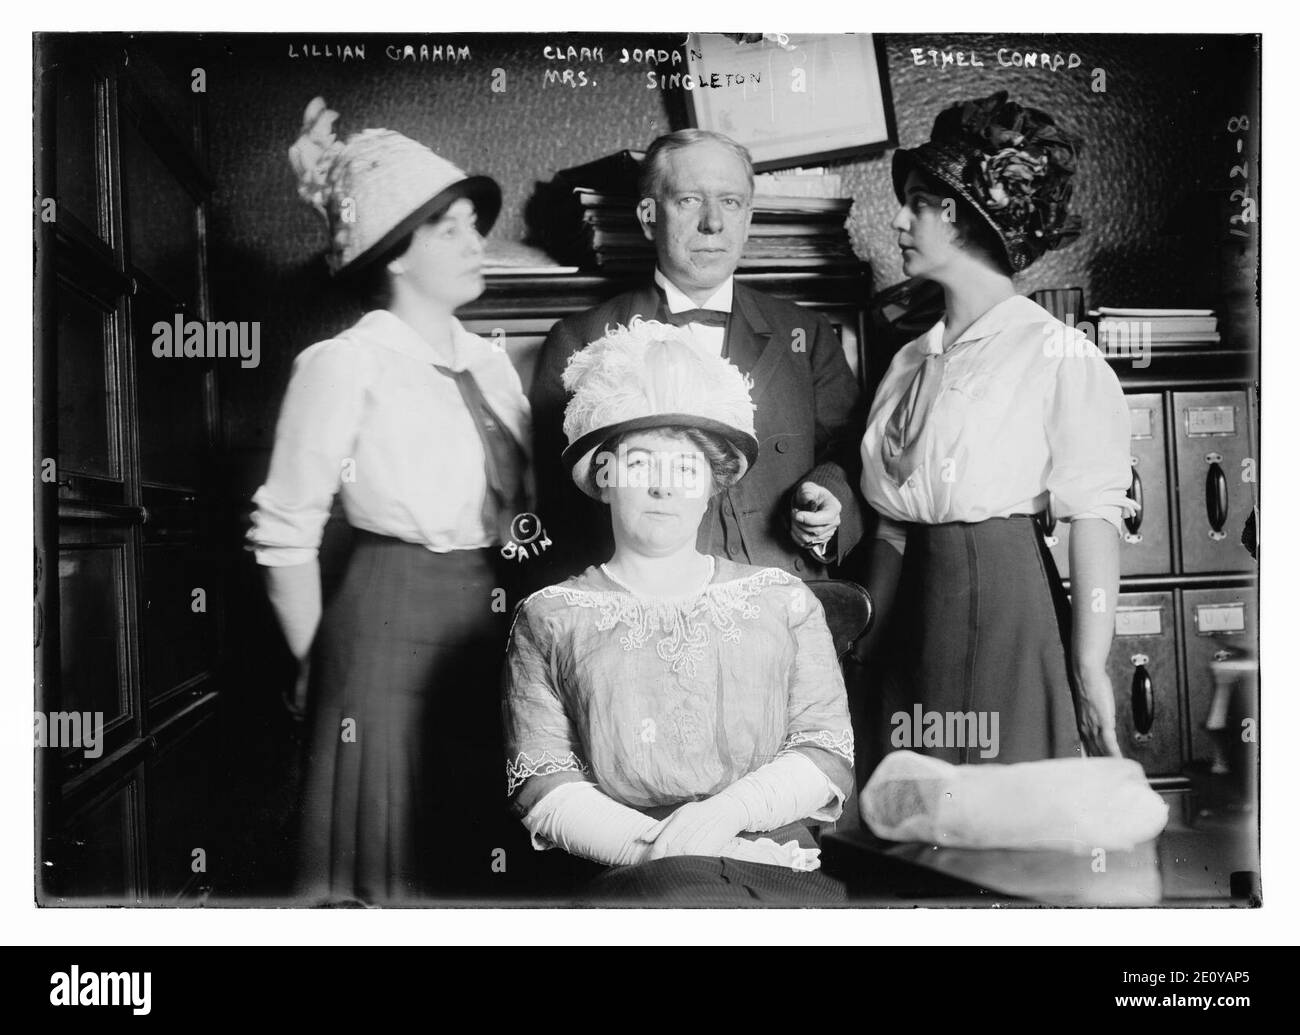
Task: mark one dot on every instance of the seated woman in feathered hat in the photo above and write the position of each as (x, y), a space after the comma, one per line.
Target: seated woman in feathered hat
(676, 717)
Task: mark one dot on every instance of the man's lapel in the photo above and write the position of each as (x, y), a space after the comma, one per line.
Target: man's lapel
(749, 341)
(644, 302)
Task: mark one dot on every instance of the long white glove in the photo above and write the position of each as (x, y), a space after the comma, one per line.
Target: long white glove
(583, 821)
(587, 823)
(786, 789)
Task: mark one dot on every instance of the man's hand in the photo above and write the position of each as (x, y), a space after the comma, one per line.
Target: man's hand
(814, 515)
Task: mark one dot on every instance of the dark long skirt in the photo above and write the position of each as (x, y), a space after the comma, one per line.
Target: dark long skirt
(404, 790)
(698, 881)
(980, 636)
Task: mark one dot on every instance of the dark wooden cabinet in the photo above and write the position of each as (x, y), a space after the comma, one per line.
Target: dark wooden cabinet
(128, 585)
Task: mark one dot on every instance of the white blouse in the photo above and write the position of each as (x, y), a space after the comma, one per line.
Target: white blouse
(1027, 411)
(366, 414)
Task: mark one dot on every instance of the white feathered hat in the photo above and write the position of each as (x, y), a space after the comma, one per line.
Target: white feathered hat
(647, 375)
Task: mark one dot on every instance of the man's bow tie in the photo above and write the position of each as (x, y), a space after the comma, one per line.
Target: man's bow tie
(705, 317)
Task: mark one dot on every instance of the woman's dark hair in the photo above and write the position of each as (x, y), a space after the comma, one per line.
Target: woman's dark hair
(973, 233)
(724, 461)
(373, 285)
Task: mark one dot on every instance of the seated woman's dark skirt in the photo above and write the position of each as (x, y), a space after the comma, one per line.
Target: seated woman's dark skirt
(706, 882)
(699, 881)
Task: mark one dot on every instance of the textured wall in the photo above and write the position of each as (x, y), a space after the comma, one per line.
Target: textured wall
(264, 244)
(1147, 161)
(1148, 158)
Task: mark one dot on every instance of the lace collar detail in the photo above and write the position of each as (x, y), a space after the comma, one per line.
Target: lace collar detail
(679, 627)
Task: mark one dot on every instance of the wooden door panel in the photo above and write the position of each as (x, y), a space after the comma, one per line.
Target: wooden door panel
(87, 391)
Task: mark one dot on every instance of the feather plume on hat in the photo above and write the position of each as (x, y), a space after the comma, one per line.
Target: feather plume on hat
(648, 375)
(313, 153)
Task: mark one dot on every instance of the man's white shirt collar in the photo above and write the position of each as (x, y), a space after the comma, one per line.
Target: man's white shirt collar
(679, 302)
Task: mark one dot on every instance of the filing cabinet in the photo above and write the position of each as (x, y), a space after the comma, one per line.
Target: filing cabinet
(1143, 670)
(1184, 658)
(1220, 632)
(1215, 461)
(1145, 543)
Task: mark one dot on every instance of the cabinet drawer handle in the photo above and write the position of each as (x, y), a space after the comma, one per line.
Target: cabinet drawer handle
(1142, 696)
(1134, 522)
(1216, 493)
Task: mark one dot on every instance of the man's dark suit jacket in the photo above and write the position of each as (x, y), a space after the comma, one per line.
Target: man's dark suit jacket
(809, 418)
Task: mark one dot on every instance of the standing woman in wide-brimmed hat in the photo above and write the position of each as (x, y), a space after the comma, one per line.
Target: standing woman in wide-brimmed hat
(419, 425)
(978, 424)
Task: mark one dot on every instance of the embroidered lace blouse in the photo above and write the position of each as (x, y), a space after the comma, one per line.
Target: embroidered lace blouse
(660, 701)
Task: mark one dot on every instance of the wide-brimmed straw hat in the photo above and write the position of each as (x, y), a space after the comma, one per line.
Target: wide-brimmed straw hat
(647, 375)
(377, 187)
(1012, 165)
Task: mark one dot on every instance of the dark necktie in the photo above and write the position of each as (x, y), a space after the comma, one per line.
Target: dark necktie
(703, 317)
(699, 317)
(504, 459)
(900, 452)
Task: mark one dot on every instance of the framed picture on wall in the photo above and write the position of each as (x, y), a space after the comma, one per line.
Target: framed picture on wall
(792, 99)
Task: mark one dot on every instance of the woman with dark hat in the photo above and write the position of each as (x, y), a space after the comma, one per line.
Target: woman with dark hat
(675, 717)
(997, 410)
(420, 427)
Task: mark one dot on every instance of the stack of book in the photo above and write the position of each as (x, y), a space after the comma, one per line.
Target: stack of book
(1160, 328)
(594, 225)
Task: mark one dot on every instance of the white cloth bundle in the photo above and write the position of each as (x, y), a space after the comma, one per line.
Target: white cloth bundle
(1062, 804)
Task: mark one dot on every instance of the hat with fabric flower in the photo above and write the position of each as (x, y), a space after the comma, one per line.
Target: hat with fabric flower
(647, 375)
(377, 187)
(1013, 165)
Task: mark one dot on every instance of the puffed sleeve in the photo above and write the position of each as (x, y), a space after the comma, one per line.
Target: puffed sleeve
(315, 433)
(542, 747)
(817, 717)
(1088, 429)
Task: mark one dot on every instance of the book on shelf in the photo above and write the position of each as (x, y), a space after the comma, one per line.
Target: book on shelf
(1159, 327)
(1158, 313)
(805, 184)
(645, 263)
(587, 216)
(763, 204)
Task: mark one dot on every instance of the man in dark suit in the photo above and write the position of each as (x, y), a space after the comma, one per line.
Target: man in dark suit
(799, 508)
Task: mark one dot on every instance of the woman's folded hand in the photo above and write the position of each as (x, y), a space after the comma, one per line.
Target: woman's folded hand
(698, 828)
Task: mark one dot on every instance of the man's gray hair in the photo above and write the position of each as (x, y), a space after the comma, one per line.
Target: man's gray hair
(654, 167)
